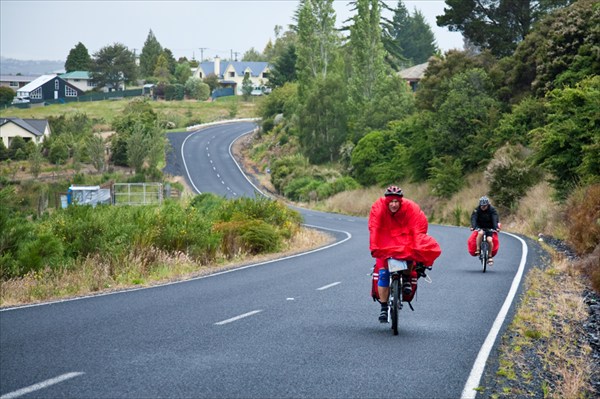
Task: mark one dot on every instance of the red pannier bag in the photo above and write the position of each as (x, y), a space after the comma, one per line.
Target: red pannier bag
(379, 263)
(472, 243)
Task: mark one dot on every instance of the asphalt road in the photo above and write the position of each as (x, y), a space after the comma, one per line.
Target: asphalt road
(299, 327)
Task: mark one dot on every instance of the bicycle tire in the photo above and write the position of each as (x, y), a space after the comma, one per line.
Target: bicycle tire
(395, 292)
(484, 253)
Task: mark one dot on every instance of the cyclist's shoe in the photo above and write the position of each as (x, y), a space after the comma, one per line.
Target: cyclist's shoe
(490, 261)
(383, 315)
(406, 288)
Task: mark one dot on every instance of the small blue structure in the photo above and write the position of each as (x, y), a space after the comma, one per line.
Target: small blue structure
(87, 195)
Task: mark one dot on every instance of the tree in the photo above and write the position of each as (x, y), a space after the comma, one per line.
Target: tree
(149, 55)
(569, 144)
(421, 41)
(212, 81)
(78, 59)
(183, 72)
(161, 71)
(284, 68)
(171, 62)
(6, 96)
(323, 120)
(465, 120)
(368, 66)
(497, 25)
(3, 151)
(94, 147)
(560, 51)
(253, 55)
(407, 39)
(16, 149)
(35, 162)
(392, 36)
(113, 65)
(246, 87)
(317, 47)
(197, 89)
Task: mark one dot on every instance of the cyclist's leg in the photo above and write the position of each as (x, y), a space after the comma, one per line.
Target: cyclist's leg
(383, 285)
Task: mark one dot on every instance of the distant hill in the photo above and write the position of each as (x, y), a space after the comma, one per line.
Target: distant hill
(10, 66)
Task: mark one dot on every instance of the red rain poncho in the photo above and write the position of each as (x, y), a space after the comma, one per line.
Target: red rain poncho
(401, 235)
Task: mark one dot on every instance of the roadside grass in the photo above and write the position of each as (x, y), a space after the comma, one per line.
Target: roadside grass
(152, 267)
(546, 329)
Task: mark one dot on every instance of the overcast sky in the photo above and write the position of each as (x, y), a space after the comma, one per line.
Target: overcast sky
(48, 30)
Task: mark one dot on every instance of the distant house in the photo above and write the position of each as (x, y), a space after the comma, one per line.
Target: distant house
(35, 130)
(232, 73)
(413, 75)
(80, 79)
(48, 87)
(15, 82)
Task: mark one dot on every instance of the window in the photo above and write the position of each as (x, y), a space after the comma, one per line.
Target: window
(91, 83)
(265, 75)
(232, 74)
(13, 84)
(70, 92)
(36, 94)
(56, 84)
(200, 75)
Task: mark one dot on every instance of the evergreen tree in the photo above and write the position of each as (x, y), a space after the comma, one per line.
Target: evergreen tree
(149, 55)
(171, 62)
(392, 37)
(422, 44)
(284, 67)
(78, 59)
(113, 65)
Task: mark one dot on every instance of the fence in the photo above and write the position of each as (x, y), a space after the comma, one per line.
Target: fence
(137, 193)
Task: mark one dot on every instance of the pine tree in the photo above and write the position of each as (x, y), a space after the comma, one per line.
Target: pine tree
(78, 59)
(149, 55)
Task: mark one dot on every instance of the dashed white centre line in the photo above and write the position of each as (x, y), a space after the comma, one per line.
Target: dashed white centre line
(220, 323)
(329, 286)
(40, 385)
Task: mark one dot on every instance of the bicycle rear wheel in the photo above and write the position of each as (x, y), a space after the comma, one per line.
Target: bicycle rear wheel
(395, 298)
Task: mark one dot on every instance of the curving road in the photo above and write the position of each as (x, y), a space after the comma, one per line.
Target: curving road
(299, 327)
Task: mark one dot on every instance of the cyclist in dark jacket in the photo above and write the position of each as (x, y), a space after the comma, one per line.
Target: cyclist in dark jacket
(484, 217)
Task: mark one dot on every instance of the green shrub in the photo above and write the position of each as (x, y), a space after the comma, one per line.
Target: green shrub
(510, 175)
(445, 176)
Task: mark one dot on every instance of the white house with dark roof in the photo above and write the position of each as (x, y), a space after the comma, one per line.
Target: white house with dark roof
(35, 130)
(231, 73)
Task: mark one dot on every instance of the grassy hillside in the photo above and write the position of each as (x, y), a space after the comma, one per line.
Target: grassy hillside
(181, 113)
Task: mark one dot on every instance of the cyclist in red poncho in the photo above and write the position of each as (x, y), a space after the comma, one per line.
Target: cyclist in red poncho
(398, 229)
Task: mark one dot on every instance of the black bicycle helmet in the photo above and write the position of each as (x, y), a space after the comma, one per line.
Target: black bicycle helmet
(393, 190)
(484, 201)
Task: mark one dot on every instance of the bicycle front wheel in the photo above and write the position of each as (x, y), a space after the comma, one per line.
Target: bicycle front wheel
(395, 294)
(484, 254)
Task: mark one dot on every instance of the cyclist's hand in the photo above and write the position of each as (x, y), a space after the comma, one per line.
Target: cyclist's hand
(472, 228)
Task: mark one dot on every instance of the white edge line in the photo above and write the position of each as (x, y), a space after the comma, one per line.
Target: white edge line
(469, 391)
(329, 286)
(238, 165)
(40, 385)
(220, 323)
(348, 236)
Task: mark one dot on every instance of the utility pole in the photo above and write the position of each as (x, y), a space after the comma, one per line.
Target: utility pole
(236, 54)
(202, 53)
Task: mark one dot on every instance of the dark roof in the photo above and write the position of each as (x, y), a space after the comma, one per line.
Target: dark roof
(35, 126)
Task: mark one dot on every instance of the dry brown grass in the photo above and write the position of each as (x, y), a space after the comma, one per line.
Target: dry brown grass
(546, 329)
(137, 270)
